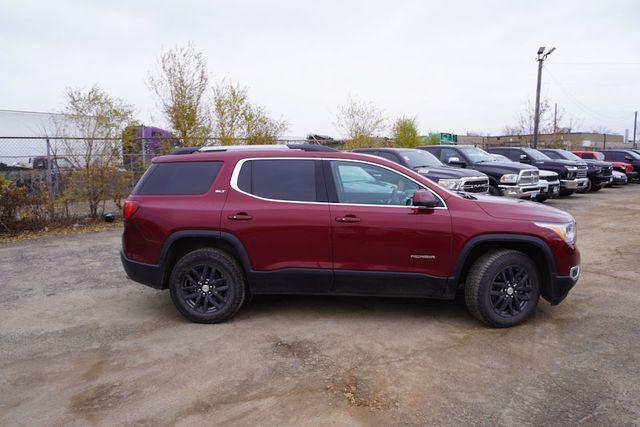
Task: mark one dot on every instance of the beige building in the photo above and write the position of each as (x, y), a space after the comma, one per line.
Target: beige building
(572, 140)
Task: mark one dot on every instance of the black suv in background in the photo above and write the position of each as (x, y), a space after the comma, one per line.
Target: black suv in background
(573, 175)
(426, 164)
(505, 178)
(600, 173)
(626, 156)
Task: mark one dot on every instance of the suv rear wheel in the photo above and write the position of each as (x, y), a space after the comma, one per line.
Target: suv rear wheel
(207, 286)
(502, 288)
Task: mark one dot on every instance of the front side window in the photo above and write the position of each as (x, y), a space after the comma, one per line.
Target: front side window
(535, 154)
(281, 179)
(416, 159)
(477, 155)
(447, 153)
(366, 184)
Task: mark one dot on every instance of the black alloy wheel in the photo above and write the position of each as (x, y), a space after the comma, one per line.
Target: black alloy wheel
(207, 286)
(511, 291)
(205, 289)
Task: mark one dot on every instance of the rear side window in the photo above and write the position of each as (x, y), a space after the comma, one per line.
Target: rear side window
(180, 178)
(291, 180)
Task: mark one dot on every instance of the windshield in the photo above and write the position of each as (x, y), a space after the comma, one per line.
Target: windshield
(419, 159)
(633, 154)
(477, 155)
(569, 155)
(553, 154)
(535, 154)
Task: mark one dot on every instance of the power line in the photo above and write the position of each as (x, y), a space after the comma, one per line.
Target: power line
(582, 106)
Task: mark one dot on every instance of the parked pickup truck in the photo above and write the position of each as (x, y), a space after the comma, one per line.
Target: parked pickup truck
(505, 178)
(35, 171)
(426, 164)
(549, 181)
(625, 168)
(214, 227)
(600, 173)
(573, 175)
(627, 156)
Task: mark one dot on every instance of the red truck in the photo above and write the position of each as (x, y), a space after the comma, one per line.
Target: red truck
(216, 226)
(625, 168)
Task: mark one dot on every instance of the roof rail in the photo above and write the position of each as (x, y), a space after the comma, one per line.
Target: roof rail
(276, 147)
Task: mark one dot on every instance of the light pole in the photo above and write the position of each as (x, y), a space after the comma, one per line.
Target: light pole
(536, 119)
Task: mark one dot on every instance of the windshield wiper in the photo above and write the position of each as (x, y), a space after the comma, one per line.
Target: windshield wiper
(466, 195)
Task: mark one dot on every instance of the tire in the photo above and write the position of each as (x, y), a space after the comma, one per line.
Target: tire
(194, 281)
(485, 295)
(595, 188)
(494, 190)
(589, 187)
(566, 193)
(541, 198)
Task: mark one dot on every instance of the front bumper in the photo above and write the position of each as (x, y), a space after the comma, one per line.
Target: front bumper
(561, 285)
(147, 274)
(520, 191)
(549, 189)
(602, 180)
(574, 184)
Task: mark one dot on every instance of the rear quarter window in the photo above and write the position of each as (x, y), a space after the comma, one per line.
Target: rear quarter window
(180, 178)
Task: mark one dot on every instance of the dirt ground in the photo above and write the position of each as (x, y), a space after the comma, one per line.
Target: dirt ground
(80, 344)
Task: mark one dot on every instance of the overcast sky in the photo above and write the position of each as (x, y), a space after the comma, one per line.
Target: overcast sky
(456, 66)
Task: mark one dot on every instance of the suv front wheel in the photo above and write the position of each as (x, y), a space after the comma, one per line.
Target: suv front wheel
(502, 288)
(207, 286)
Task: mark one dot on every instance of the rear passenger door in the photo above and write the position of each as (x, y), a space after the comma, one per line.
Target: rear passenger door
(277, 208)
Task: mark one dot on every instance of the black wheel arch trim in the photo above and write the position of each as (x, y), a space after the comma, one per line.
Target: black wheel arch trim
(503, 238)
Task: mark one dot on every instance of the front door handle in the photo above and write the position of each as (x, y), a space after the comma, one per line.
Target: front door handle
(347, 218)
(240, 216)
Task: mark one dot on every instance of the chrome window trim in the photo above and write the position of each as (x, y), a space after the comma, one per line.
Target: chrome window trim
(236, 173)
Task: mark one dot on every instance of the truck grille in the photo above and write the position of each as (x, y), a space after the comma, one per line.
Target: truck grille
(582, 172)
(475, 185)
(528, 177)
(608, 171)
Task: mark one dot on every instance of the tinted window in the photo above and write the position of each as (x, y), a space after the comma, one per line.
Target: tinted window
(180, 178)
(386, 155)
(553, 155)
(419, 159)
(477, 155)
(293, 180)
(361, 183)
(535, 154)
(447, 153)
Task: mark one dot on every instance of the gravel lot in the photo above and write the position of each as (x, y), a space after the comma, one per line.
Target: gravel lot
(79, 343)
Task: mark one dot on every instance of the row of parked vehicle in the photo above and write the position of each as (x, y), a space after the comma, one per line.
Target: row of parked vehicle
(519, 172)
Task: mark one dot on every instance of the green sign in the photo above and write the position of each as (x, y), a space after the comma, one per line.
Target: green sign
(449, 138)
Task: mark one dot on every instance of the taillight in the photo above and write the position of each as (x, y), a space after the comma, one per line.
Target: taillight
(129, 209)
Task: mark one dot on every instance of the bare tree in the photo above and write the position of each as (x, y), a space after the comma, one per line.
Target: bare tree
(360, 121)
(99, 120)
(237, 119)
(525, 121)
(181, 84)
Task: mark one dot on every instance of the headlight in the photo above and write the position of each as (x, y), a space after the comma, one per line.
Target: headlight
(509, 178)
(571, 168)
(566, 231)
(449, 184)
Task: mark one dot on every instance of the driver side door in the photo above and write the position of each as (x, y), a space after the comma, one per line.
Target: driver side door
(381, 243)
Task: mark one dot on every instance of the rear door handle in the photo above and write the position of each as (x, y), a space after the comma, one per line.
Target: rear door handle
(347, 218)
(240, 216)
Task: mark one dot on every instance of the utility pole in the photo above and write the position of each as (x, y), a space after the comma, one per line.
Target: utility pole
(536, 120)
(635, 125)
(555, 117)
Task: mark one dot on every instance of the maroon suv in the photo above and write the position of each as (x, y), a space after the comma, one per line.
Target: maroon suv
(216, 226)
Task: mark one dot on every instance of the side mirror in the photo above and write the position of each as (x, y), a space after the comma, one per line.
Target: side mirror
(456, 161)
(524, 158)
(425, 198)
